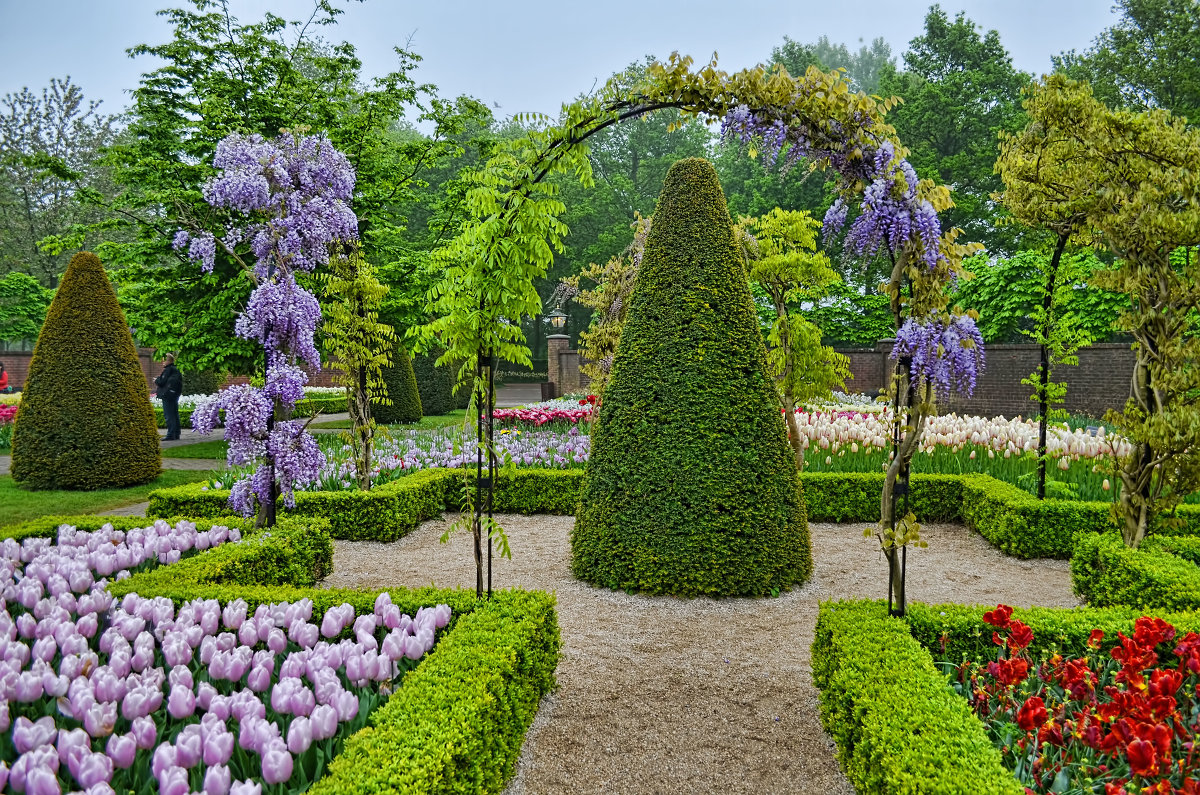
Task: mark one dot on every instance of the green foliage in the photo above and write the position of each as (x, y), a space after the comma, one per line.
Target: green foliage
(1007, 295)
(458, 722)
(1149, 59)
(781, 259)
(400, 385)
(23, 305)
(201, 382)
(1134, 180)
(526, 491)
(217, 75)
(360, 347)
(385, 513)
(690, 488)
(85, 420)
(863, 68)
(960, 90)
(50, 153)
(897, 724)
(1106, 572)
(21, 505)
(435, 385)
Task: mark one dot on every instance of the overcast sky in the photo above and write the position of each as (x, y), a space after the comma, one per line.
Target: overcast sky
(525, 55)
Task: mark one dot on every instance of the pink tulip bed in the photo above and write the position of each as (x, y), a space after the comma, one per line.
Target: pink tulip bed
(105, 690)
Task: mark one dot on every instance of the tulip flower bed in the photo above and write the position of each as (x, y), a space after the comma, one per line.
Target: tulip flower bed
(878, 681)
(396, 457)
(563, 410)
(1125, 720)
(140, 695)
(8, 416)
(858, 441)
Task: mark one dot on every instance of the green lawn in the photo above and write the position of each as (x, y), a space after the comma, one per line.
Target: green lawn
(214, 449)
(21, 505)
(440, 421)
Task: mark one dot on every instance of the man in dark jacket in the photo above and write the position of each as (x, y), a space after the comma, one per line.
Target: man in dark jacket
(170, 387)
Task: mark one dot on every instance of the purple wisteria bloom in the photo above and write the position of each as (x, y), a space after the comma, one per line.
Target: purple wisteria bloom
(947, 354)
(292, 195)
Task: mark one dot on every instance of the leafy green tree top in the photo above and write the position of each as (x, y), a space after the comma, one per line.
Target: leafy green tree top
(960, 91)
(23, 305)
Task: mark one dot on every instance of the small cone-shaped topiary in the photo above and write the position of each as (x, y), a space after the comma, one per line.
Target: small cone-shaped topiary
(691, 487)
(85, 421)
(401, 390)
(434, 384)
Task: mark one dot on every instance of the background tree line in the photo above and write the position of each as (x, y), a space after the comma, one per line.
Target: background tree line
(71, 176)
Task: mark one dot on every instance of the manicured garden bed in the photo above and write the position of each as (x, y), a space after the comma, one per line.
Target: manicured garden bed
(454, 721)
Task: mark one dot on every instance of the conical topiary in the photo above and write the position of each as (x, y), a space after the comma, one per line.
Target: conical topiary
(691, 487)
(401, 390)
(85, 421)
(435, 384)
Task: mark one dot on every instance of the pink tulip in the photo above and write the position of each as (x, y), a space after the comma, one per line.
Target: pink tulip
(189, 748)
(181, 703)
(121, 749)
(100, 718)
(324, 723)
(173, 781)
(299, 736)
(259, 679)
(245, 788)
(218, 748)
(276, 641)
(42, 781)
(145, 732)
(347, 706)
(217, 780)
(27, 734)
(276, 763)
(93, 769)
(164, 759)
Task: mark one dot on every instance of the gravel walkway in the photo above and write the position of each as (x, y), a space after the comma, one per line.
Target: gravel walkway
(664, 695)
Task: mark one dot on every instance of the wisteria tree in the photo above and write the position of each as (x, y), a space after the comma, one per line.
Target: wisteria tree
(285, 203)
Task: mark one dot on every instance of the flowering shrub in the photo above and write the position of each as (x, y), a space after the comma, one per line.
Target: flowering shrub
(138, 696)
(1125, 721)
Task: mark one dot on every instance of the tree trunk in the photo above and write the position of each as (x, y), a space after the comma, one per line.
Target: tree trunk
(1044, 379)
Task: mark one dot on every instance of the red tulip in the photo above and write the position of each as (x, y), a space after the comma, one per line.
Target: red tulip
(1032, 714)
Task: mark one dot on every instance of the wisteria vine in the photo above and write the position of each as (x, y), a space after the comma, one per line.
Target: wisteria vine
(288, 200)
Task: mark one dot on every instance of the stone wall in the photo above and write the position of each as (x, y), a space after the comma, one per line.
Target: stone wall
(1099, 382)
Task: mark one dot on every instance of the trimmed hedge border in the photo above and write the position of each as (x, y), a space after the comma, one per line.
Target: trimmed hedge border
(457, 722)
(1012, 520)
(878, 684)
(385, 513)
(47, 526)
(1161, 575)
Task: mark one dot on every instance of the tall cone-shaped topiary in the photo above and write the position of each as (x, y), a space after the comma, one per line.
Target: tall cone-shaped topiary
(405, 406)
(85, 421)
(435, 384)
(691, 487)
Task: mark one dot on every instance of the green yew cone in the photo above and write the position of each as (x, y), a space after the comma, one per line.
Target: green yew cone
(85, 420)
(401, 383)
(691, 487)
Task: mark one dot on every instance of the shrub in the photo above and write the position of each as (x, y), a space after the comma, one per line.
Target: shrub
(691, 487)
(47, 526)
(897, 724)
(1106, 572)
(526, 491)
(405, 406)
(85, 420)
(385, 513)
(435, 385)
(201, 382)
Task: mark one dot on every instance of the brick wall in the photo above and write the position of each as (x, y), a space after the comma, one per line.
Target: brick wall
(1099, 382)
(16, 363)
(323, 377)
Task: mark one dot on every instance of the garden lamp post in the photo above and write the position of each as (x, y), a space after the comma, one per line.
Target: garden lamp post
(558, 321)
(556, 344)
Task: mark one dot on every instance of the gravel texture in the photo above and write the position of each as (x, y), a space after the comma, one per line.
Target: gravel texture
(664, 695)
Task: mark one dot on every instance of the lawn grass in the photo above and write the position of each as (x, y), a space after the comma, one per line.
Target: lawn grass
(214, 449)
(454, 417)
(21, 505)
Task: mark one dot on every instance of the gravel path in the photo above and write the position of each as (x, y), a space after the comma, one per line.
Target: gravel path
(664, 695)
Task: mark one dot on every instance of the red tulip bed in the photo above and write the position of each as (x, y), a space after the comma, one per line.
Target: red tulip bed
(1119, 723)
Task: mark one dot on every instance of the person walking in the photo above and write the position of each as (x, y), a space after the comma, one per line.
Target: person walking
(4, 388)
(170, 387)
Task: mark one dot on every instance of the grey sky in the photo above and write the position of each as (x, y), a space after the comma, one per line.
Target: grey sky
(527, 55)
